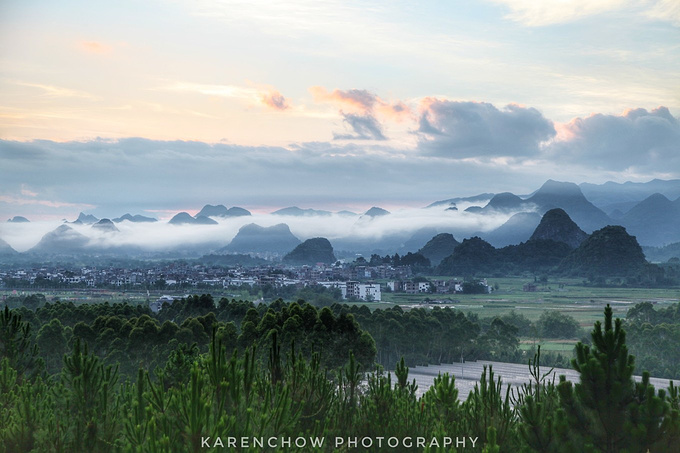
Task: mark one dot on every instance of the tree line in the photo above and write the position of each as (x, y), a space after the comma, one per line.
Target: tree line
(273, 389)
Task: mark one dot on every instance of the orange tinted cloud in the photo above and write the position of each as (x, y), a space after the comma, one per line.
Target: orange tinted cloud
(275, 100)
(94, 47)
(361, 101)
(397, 111)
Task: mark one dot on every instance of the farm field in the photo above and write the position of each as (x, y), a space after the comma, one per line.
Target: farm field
(584, 303)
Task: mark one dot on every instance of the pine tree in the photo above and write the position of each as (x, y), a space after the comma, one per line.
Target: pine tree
(607, 411)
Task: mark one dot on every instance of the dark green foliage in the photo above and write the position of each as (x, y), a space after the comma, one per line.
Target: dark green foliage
(554, 324)
(312, 251)
(538, 402)
(397, 334)
(273, 387)
(439, 247)
(473, 256)
(535, 255)
(610, 251)
(654, 338)
(607, 411)
(489, 406)
(17, 346)
(556, 225)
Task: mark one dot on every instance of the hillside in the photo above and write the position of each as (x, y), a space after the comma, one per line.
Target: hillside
(63, 239)
(106, 226)
(473, 256)
(439, 247)
(253, 238)
(556, 225)
(6, 249)
(312, 251)
(610, 251)
(516, 229)
(568, 196)
(654, 221)
(504, 202)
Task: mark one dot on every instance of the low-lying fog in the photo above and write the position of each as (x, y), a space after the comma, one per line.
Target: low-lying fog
(163, 236)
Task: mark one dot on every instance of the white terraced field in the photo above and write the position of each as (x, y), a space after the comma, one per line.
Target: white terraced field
(469, 373)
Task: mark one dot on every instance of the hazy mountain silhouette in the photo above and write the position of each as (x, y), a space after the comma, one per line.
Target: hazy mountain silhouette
(516, 229)
(298, 212)
(655, 221)
(134, 218)
(253, 238)
(105, 225)
(439, 247)
(18, 219)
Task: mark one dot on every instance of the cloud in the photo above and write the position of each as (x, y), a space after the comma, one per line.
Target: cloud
(25, 191)
(463, 148)
(133, 175)
(21, 201)
(361, 101)
(364, 108)
(226, 91)
(275, 100)
(256, 94)
(365, 127)
(477, 129)
(55, 91)
(637, 139)
(94, 47)
(550, 12)
(666, 10)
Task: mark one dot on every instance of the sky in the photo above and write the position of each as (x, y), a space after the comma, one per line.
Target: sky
(155, 107)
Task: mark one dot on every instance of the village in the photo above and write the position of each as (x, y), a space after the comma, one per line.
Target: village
(360, 283)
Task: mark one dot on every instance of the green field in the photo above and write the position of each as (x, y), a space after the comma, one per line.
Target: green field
(585, 303)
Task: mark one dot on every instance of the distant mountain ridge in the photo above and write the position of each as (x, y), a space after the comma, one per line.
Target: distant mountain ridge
(299, 212)
(516, 229)
(612, 193)
(184, 218)
(6, 249)
(454, 201)
(134, 218)
(221, 211)
(85, 219)
(105, 225)
(62, 240)
(18, 219)
(655, 221)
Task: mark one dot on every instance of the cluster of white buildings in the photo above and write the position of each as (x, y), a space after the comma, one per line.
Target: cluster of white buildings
(369, 292)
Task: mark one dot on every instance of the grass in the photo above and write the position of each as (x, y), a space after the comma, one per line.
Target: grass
(584, 303)
(549, 345)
